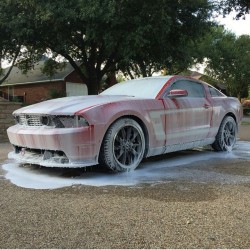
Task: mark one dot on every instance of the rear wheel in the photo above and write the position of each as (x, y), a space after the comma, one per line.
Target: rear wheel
(123, 146)
(226, 137)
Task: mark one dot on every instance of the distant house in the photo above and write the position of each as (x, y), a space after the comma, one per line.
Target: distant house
(205, 78)
(35, 87)
(195, 74)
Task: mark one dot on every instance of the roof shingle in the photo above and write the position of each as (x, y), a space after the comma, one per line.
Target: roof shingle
(35, 75)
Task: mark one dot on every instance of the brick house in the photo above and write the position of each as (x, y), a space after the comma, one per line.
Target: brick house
(6, 118)
(35, 87)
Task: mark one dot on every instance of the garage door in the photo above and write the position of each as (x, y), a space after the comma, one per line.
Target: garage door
(75, 89)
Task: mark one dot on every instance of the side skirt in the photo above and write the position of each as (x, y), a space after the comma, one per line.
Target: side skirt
(179, 147)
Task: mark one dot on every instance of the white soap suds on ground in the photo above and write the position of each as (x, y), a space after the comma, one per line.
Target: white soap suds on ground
(177, 166)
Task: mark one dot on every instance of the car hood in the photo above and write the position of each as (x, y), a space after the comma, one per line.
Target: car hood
(70, 105)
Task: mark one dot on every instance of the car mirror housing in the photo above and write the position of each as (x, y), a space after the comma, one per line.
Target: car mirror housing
(175, 93)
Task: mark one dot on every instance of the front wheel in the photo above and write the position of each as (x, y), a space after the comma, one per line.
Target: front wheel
(226, 137)
(123, 146)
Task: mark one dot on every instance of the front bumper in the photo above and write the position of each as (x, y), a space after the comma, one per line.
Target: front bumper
(53, 161)
(57, 147)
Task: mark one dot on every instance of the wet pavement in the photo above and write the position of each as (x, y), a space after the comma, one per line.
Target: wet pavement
(201, 165)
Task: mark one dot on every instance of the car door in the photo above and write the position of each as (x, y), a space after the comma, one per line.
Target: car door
(187, 117)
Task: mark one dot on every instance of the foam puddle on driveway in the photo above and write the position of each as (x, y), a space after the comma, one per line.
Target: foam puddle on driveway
(185, 165)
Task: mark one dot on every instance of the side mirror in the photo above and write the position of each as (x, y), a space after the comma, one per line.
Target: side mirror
(175, 93)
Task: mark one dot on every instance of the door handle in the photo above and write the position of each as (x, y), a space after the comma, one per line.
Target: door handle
(206, 106)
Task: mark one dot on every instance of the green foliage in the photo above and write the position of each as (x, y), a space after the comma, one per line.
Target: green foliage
(15, 99)
(228, 60)
(241, 7)
(54, 93)
(51, 67)
(246, 111)
(137, 37)
(120, 78)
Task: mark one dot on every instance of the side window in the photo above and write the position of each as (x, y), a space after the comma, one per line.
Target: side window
(194, 89)
(214, 92)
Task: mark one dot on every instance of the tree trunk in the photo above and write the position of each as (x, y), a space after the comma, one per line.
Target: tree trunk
(11, 67)
(111, 80)
(93, 85)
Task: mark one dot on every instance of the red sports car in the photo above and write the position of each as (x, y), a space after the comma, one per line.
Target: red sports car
(125, 123)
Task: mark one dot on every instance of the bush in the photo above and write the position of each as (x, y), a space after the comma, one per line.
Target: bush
(56, 94)
(246, 111)
(245, 103)
(246, 106)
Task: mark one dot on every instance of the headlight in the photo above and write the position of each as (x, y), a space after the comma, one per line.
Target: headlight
(52, 121)
(46, 120)
(70, 121)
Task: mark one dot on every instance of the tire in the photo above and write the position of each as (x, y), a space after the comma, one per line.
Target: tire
(123, 146)
(226, 136)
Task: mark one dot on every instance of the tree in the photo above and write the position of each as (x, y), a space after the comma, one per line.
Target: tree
(241, 7)
(228, 60)
(102, 36)
(177, 36)
(10, 56)
(9, 50)
(12, 49)
(51, 67)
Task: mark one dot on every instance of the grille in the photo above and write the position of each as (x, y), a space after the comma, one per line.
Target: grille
(30, 120)
(50, 121)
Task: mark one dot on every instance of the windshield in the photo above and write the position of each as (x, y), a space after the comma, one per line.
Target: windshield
(142, 88)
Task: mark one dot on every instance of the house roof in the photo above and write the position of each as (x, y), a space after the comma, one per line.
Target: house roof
(205, 78)
(35, 75)
(195, 74)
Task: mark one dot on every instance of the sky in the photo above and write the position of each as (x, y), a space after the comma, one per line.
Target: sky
(239, 27)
